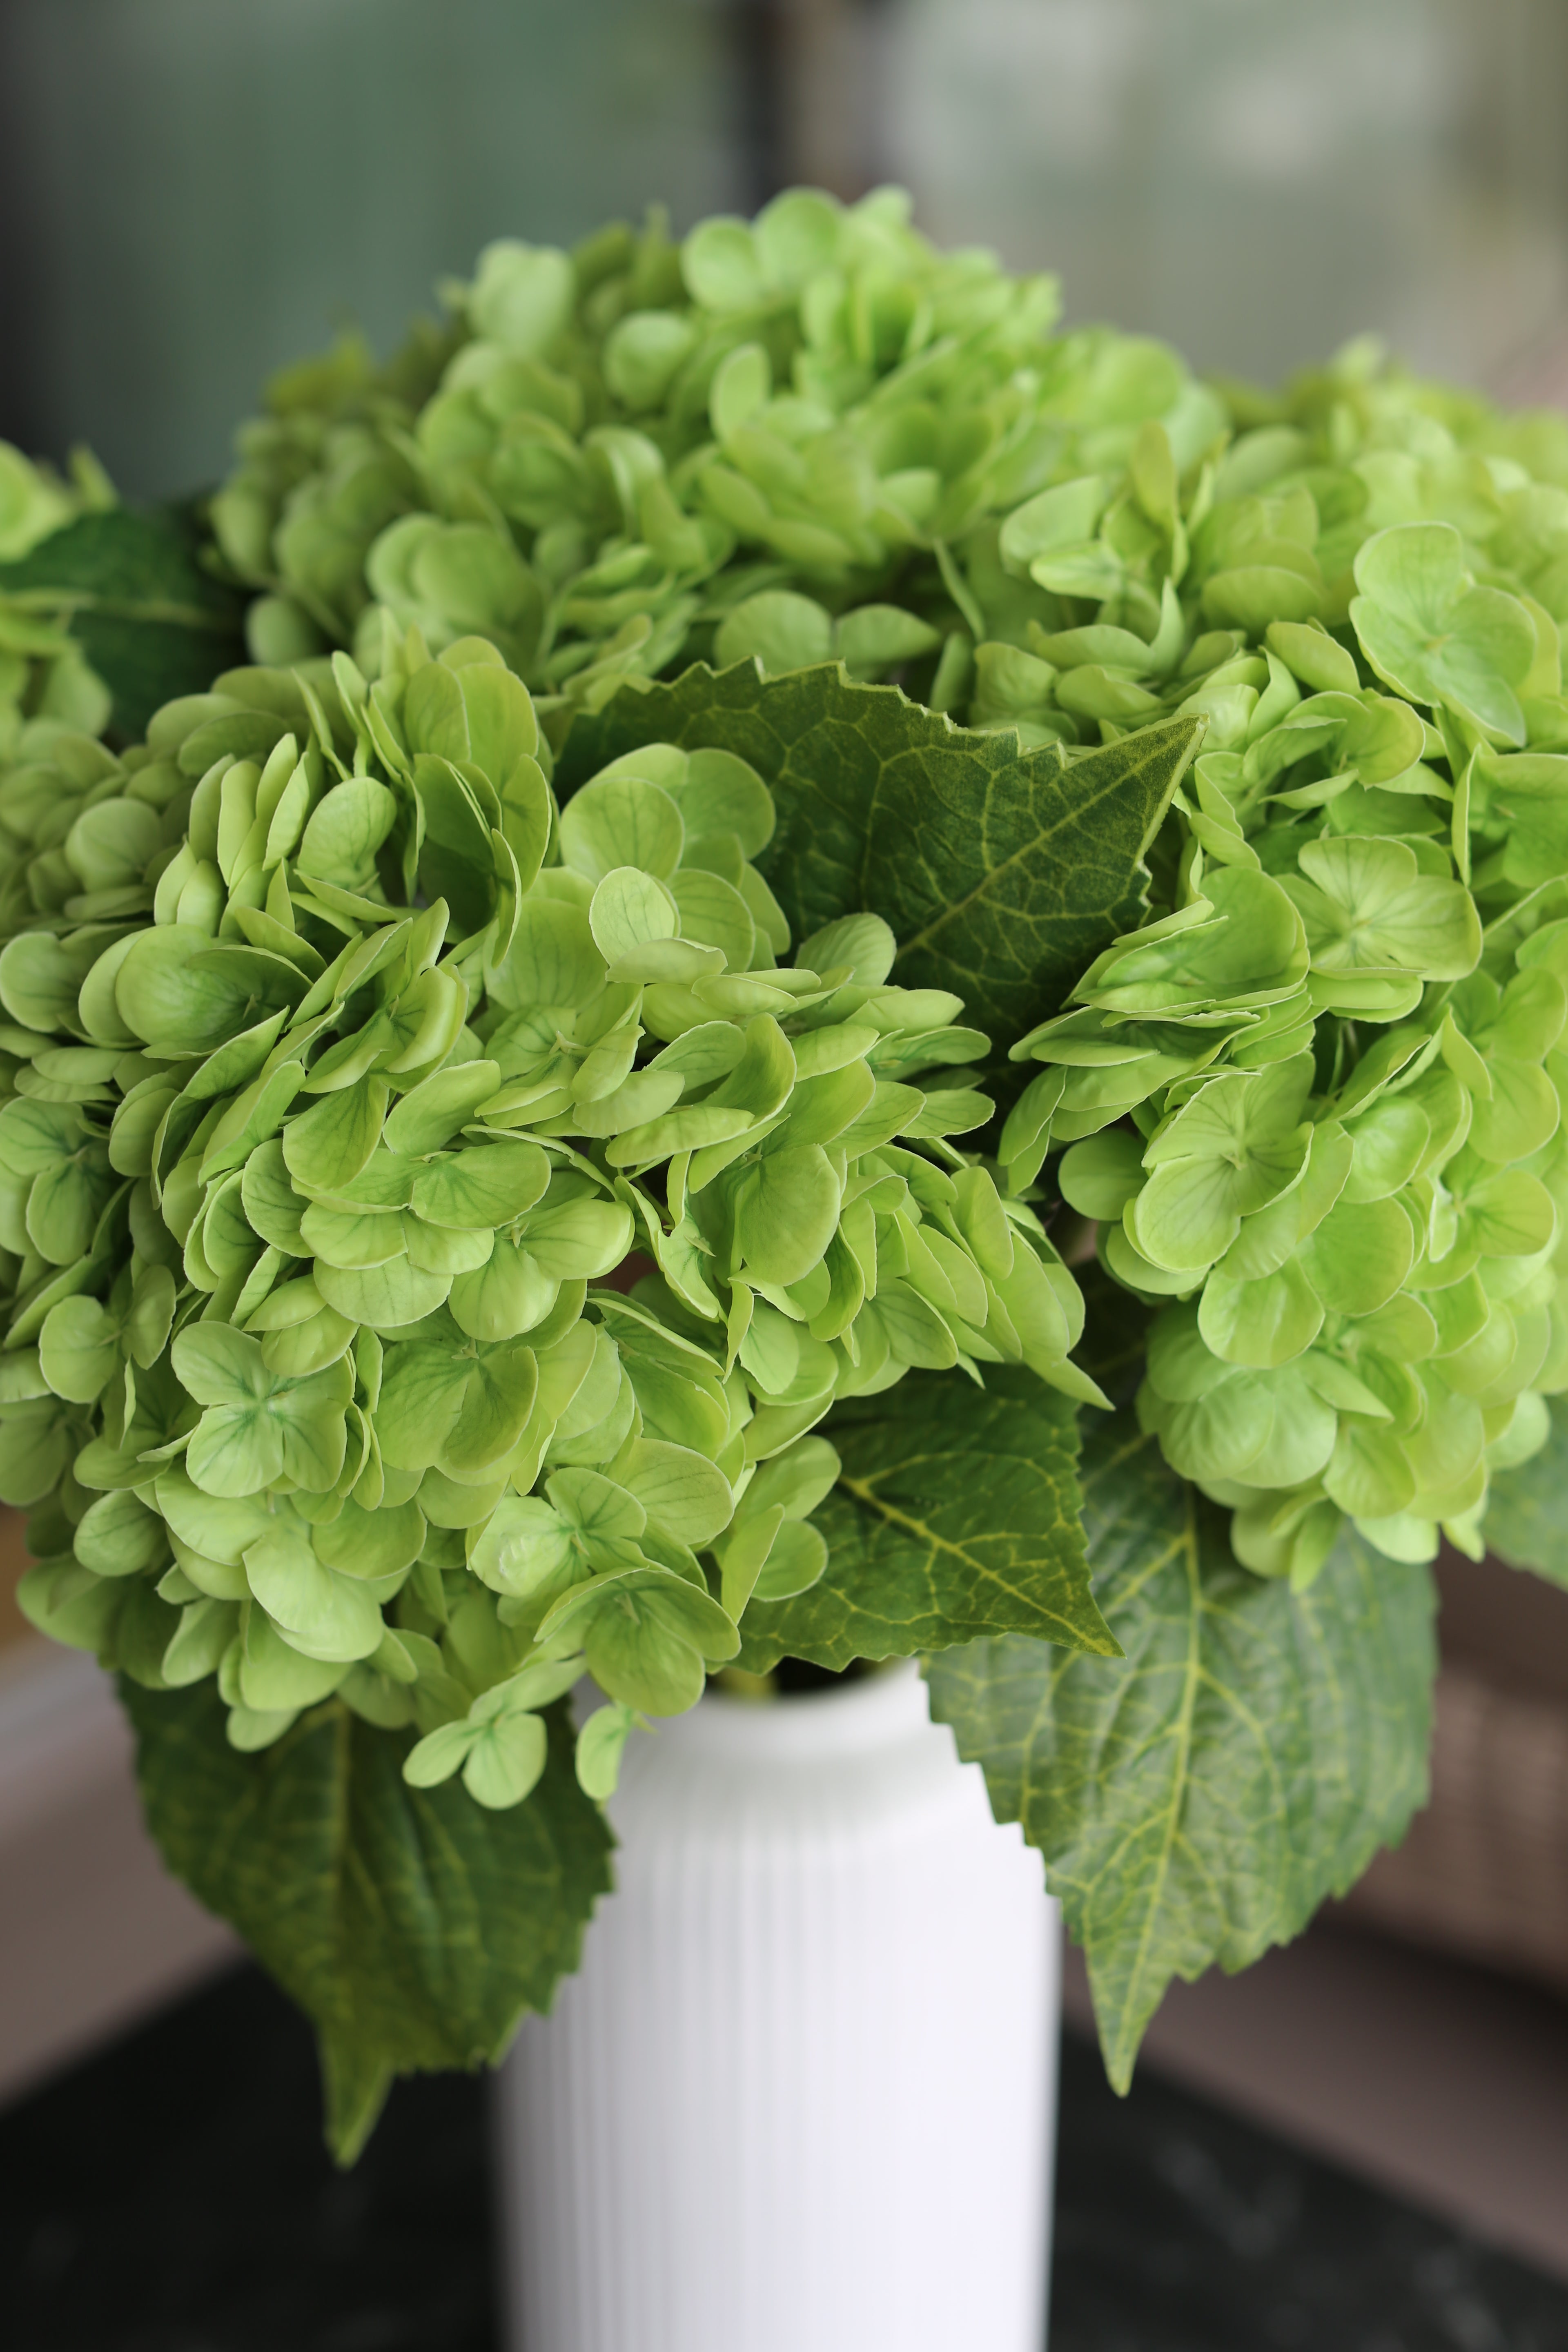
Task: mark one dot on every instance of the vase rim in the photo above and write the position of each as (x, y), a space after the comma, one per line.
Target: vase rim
(867, 1712)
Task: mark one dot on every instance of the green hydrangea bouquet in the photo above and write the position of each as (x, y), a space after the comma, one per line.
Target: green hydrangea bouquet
(847, 979)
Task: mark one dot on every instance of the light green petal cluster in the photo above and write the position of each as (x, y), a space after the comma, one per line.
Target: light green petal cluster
(815, 437)
(344, 1067)
(796, 439)
(1317, 1102)
(438, 1221)
(388, 1059)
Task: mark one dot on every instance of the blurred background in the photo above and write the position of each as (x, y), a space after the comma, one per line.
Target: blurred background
(192, 192)
(195, 192)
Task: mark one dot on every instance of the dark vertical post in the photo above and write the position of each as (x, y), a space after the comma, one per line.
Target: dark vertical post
(759, 41)
(23, 264)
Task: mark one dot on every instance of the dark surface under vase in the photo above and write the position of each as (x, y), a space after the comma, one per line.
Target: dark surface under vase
(172, 2195)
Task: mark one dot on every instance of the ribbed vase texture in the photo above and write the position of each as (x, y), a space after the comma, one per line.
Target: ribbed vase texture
(801, 2097)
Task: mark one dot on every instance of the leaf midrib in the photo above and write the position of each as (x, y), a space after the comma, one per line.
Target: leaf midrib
(863, 1492)
(1121, 2060)
(1067, 820)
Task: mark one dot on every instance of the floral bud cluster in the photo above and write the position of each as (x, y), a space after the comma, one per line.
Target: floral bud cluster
(796, 439)
(1318, 1102)
(1310, 1106)
(344, 1069)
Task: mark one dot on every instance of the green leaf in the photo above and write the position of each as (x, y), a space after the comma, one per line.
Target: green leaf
(78, 1349)
(180, 992)
(778, 628)
(457, 1407)
(629, 910)
(258, 1427)
(786, 1209)
(1525, 1524)
(1196, 1801)
(482, 1187)
(600, 1746)
(622, 821)
(333, 1615)
(412, 1926)
(345, 831)
(1002, 872)
(956, 1516)
(430, 1114)
(1433, 635)
(326, 1146)
(1367, 908)
(152, 621)
(506, 1760)
(1232, 1148)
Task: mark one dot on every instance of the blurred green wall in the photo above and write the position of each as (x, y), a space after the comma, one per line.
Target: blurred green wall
(192, 192)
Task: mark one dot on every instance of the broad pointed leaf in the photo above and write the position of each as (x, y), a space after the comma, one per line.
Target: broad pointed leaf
(1196, 1801)
(412, 1926)
(956, 1515)
(1002, 872)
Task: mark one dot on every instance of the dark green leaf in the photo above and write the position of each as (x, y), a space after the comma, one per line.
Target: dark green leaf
(1196, 1801)
(1002, 872)
(412, 1926)
(956, 1515)
(150, 621)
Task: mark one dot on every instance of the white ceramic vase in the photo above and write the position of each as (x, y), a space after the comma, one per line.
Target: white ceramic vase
(802, 2095)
